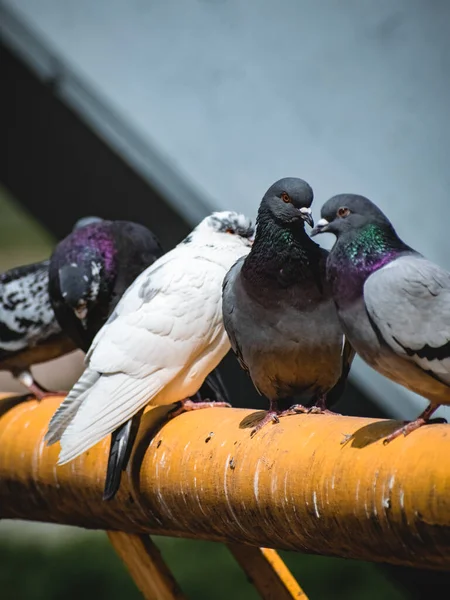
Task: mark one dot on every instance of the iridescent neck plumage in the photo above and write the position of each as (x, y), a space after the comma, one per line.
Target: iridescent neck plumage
(372, 248)
(279, 246)
(357, 255)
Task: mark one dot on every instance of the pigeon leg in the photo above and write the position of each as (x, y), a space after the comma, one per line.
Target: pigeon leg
(320, 407)
(188, 405)
(38, 391)
(413, 425)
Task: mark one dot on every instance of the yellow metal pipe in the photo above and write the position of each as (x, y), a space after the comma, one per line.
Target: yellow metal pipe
(295, 485)
(268, 573)
(146, 565)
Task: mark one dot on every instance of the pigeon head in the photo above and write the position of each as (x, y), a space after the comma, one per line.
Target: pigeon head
(232, 227)
(349, 212)
(86, 266)
(80, 285)
(289, 200)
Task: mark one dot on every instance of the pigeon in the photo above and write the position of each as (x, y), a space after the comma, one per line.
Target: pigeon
(164, 337)
(89, 272)
(393, 303)
(279, 313)
(29, 331)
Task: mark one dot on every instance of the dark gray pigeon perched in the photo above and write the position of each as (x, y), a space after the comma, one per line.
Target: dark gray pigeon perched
(278, 310)
(89, 272)
(29, 331)
(394, 304)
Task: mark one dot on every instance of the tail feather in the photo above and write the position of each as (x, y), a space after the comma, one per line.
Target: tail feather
(122, 440)
(69, 406)
(113, 400)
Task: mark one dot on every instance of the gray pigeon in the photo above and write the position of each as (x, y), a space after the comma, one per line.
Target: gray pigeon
(278, 310)
(394, 304)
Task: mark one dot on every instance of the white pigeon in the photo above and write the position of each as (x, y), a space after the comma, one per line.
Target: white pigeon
(164, 337)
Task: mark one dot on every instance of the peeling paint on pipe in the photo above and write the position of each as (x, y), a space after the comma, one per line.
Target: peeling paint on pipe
(293, 486)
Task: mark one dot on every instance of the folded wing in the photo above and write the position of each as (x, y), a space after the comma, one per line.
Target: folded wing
(409, 303)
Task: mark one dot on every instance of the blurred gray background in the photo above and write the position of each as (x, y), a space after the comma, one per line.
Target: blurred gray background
(161, 111)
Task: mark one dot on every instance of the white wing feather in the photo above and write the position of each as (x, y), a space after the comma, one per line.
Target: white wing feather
(162, 325)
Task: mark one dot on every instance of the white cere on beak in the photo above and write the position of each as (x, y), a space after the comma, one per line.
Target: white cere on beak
(305, 211)
(322, 223)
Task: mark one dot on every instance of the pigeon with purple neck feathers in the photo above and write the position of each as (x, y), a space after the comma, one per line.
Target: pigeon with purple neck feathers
(278, 310)
(29, 331)
(394, 304)
(89, 272)
(164, 337)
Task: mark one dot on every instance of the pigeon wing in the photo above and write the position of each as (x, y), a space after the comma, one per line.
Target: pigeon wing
(228, 308)
(139, 352)
(408, 301)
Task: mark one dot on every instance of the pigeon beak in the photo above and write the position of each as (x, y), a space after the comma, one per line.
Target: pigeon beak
(321, 227)
(306, 215)
(81, 311)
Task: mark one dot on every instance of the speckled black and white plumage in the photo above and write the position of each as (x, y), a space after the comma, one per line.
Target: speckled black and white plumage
(29, 332)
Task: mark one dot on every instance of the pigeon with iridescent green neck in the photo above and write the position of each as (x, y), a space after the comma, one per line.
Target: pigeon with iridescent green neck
(279, 313)
(394, 304)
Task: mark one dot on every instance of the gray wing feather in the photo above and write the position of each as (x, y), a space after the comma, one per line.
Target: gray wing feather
(409, 303)
(228, 306)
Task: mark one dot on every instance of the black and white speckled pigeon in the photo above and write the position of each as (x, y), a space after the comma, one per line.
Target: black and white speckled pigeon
(89, 272)
(29, 331)
(164, 337)
(278, 310)
(394, 304)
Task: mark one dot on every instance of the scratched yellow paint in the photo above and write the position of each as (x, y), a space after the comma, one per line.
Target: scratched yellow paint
(311, 483)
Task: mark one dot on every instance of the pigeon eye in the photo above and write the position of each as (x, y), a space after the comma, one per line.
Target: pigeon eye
(285, 197)
(343, 212)
(229, 230)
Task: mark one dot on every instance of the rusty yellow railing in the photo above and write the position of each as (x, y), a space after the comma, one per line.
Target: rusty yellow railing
(312, 483)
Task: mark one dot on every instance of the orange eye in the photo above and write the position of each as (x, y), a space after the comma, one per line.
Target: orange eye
(229, 230)
(343, 212)
(285, 197)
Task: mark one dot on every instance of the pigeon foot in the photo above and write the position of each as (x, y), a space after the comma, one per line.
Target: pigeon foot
(188, 405)
(37, 391)
(412, 425)
(272, 416)
(320, 408)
